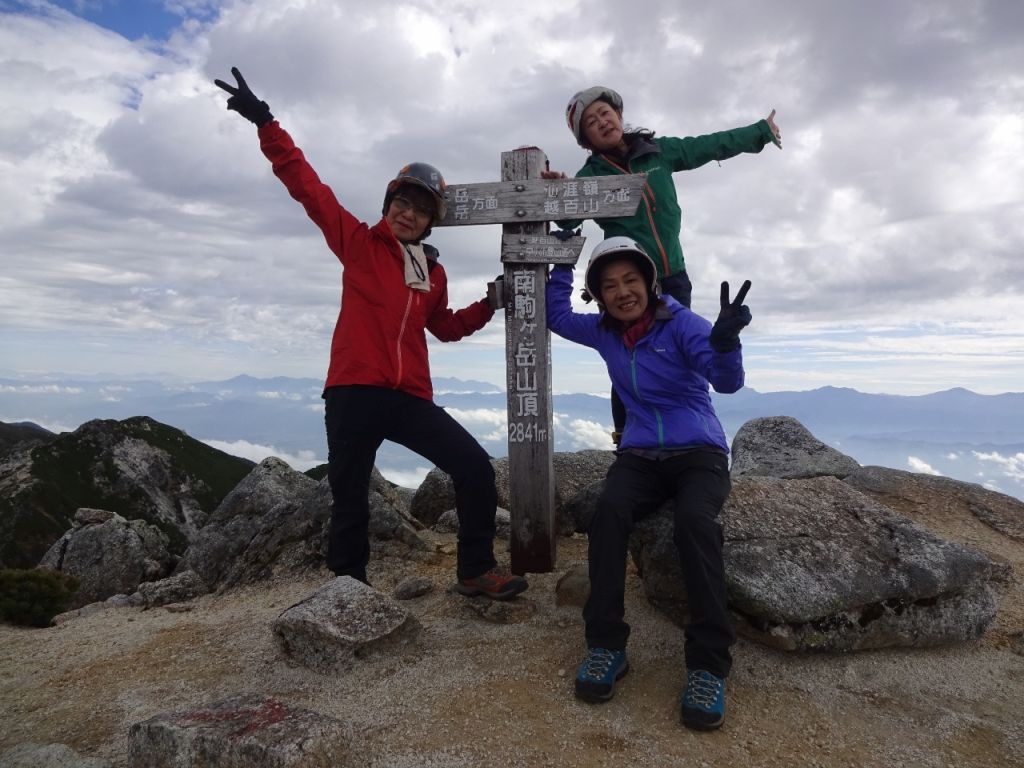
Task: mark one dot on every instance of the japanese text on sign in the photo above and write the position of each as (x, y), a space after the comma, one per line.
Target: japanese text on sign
(581, 197)
(526, 394)
(541, 249)
(464, 203)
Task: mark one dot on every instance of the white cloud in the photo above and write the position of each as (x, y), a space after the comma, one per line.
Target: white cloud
(489, 425)
(274, 395)
(582, 434)
(1010, 466)
(254, 452)
(918, 465)
(142, 230)
(40, 389)
(479, 416)
(405, 478)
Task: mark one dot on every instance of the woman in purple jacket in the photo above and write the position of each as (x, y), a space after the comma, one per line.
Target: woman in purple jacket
(661, 358)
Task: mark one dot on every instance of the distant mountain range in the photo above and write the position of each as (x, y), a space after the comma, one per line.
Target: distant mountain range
(956, 433)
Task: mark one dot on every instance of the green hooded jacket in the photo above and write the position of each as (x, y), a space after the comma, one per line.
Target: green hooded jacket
(656, 223)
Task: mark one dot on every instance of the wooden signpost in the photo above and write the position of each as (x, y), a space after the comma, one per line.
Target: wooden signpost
(523, 202)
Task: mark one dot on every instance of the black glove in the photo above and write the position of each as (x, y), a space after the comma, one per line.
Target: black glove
(244, 101)
(565, 234)
(734, 317)
(496, 292)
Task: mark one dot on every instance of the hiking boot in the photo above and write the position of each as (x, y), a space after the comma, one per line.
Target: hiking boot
(495, 585)
(703, 704)
(597, 675)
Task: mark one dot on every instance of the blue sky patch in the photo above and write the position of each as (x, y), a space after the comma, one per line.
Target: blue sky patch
(132, 19)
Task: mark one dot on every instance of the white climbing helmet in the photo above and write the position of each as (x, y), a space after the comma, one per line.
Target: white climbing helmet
(613, 249)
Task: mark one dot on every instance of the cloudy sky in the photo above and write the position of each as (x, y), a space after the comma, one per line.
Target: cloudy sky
(142, 232)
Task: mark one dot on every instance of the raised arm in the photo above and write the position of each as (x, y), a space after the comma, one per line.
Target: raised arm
(581, 328)
(694, 151)
(292, 168)
(718, 353)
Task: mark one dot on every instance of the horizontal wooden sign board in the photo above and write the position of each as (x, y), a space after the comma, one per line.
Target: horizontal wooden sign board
(540, 249)
(508, 202)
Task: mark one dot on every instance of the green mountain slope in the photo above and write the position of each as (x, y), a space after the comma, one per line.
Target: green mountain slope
(137, 467)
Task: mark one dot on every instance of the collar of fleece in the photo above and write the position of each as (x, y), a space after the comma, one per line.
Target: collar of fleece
(636, 331)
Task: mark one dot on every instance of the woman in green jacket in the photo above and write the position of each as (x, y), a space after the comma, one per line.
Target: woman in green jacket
(594, 116)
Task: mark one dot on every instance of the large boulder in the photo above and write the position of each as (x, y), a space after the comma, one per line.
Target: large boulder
(780, 446)
(343, 620)
(579, 508)
(574, 472)
(259, 508)
(108, 555)
(816, 565)
(392, 530)
(182, 586)
(276, 522)
(919, 495)
(449, 523)
(434, 497)
(242, 731)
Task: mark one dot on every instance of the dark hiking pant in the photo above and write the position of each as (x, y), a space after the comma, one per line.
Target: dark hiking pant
(359, 419)
(697, 483)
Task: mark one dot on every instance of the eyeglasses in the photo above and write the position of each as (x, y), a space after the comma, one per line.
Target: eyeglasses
(405, 204)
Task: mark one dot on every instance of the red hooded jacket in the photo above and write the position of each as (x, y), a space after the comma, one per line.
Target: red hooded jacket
(379, 339)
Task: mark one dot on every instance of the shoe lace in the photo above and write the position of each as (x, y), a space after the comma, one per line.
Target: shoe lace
(703, 689)
(599, 662)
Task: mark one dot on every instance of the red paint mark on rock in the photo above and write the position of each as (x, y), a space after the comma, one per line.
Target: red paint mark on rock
(248, 719)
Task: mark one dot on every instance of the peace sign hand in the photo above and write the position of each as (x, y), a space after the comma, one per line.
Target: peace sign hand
(733, 318)
(244, 101)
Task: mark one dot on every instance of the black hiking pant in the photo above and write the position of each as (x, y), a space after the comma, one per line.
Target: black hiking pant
(697, 483)
(359, 419)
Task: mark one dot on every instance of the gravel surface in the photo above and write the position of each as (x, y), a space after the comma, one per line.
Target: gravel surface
(495, 687)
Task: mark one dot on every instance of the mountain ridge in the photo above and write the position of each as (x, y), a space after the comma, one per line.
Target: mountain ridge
(948, 431)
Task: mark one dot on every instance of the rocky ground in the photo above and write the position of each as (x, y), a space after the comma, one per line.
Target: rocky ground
(483, 687)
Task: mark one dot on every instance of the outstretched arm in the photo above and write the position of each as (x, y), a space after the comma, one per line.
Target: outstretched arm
(290, 166)
(451, 325)
(686, 154)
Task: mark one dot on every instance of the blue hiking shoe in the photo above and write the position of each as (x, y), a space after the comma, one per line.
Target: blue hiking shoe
(597, 675)
(703, 704)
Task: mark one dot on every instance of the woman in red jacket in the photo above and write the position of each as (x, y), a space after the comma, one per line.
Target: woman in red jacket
(378, 383)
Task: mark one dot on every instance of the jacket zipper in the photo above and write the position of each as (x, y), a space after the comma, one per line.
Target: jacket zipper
(636, 392)
(401, 334)
(648, 196)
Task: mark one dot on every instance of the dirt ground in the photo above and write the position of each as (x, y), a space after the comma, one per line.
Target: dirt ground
(474, 692)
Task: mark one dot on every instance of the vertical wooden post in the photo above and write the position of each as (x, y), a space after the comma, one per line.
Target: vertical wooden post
(523, 203)
(528, 372)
